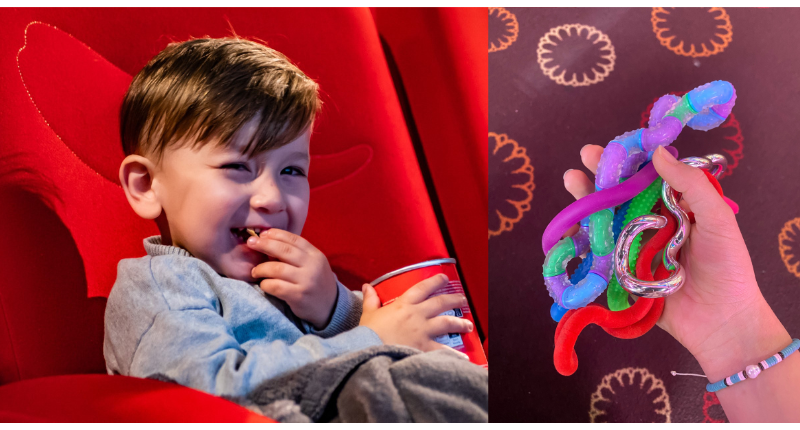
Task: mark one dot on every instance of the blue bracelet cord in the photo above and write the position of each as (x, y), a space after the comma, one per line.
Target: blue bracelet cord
(756, 368)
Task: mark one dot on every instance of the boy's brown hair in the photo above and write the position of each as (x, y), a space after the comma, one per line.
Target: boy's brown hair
(209, 88)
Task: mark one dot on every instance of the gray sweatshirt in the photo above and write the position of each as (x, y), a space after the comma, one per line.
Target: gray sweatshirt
(171, 315)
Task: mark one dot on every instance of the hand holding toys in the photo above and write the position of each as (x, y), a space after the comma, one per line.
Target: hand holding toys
(620, 182)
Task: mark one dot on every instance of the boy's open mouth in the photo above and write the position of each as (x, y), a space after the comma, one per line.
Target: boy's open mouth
(245, 232)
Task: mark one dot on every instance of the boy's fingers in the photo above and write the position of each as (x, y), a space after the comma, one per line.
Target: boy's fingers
(578, 184)
(276, 270)
(697, 191)
(433, 346)
(446, 324)
(419, 292)
(287, 237)
(283, 251)
(279, 288)
(371, 299)
(590, 155)
(445, 302)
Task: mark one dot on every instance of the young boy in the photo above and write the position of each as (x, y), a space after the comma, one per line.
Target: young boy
(216, 133)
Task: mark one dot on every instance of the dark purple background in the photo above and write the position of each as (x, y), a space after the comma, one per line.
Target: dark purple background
(553, 122)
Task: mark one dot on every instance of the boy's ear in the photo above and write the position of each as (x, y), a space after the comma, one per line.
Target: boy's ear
(136, 177)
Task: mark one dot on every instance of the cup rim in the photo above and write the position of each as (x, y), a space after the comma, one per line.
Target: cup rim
(436, 262)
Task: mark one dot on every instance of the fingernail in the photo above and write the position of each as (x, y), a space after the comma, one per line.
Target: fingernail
(565, 173)
(444, 277)
(252, 240)
(364, 289)
(463, 300)
(666, 155)
(469, 326)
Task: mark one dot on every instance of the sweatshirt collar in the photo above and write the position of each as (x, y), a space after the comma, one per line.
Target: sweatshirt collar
(154, 247)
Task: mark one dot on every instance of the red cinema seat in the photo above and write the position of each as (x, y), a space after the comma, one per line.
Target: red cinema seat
(444, 70)
(65, 220)
(103, 398)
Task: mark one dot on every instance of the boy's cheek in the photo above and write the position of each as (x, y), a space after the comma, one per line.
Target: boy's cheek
(298, 206)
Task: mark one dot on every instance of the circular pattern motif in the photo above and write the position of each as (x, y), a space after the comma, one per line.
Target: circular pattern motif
(789, 246)
(503, 29)
(594, 40)
(511, 160)
(726, 138)
(723, 32)
(624, 391)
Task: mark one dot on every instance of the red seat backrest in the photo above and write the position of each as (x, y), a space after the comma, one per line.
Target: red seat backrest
(445, 73)
(64, 218)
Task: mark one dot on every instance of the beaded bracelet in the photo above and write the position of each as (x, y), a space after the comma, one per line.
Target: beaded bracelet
(753, 370)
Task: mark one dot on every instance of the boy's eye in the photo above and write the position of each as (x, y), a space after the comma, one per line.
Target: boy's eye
(294, 171)
(237, 166)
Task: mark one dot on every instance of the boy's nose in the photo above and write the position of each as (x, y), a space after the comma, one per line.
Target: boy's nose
(269, 197)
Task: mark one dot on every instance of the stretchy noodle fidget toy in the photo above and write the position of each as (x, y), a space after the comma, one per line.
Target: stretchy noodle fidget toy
(618, 180)
(664, 287)
(612, 220)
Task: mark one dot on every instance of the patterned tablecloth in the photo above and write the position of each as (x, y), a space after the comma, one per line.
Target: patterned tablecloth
(561, 78)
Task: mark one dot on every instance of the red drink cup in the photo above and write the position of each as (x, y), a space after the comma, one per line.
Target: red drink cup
(393, 284)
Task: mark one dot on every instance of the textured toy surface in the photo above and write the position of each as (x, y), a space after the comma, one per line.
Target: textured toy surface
(703, 108)
(625, 322)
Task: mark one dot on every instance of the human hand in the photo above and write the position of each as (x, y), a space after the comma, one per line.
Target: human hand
(413, 319)
(719, 314)
(301, 276)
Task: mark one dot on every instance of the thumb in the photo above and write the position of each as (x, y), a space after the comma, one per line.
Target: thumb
(371, 299)
(707, 205)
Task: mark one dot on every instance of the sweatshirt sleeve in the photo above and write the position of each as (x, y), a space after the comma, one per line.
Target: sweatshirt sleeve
(164, 319)
(196, 347)
(346, 314)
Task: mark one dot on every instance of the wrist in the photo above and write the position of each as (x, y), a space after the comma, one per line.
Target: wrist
(322, 323)
(746, 338)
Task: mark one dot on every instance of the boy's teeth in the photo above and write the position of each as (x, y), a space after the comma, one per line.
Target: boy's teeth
(253, 231)
(246, 232)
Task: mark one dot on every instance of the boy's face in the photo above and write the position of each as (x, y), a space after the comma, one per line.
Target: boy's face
(212, 194)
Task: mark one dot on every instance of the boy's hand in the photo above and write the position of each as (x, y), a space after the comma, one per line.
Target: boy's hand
(301, 277)
(413, 318)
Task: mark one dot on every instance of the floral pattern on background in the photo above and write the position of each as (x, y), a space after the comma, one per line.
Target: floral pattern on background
(789, 246)
(508, 206)
(719, 22)
(627, 388)
(503, 29)
(592, 38)
(538, 95)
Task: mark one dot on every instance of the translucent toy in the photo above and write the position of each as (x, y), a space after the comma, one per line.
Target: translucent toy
(622, 174)
(637, 319)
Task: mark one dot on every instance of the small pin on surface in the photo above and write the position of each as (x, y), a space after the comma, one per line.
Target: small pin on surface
(674, 373)
(252, 232)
